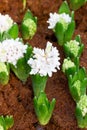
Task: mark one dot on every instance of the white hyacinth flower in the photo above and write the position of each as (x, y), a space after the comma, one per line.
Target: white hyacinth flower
(5, 23)
(63, 18)
(11, 50)
(44, 62)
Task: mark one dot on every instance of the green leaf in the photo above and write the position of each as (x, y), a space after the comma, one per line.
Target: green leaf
(41, 98)
(14, 31)
(69, 32)
(29, 52)
(59, 32)
(43, 112)
(64, 8)
(29, 15)
(2, 123)
(25, 31)
(21, 70)
(9, 121)
(52, 105)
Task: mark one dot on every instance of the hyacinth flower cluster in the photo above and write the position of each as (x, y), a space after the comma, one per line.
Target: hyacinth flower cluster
(28, 25)
(76, 4)
(62, 23)
(6, 122)
(43, 63)
(77, 76)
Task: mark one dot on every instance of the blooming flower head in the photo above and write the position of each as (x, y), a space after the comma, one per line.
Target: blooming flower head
(63, 18)
(44, 62)
(11, 50)
(5, 23)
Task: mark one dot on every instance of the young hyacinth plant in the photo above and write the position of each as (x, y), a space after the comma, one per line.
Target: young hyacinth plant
(29, 25)
(78, 84)
(16, 54)
(6, 122)
(43, 108)
(43, 63)
(74, 48)
(76, 4)
(8, 29)
(81, 112)
(62, 23)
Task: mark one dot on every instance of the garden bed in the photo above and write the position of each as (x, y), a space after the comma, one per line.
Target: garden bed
(16, 98)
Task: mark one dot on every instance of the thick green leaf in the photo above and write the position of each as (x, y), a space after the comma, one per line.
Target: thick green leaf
(64, 8)
(2, 123)
(25, 32)
(59, 32)
(69, 32)
(21, 70)
(14, 31)
(29, 15)
(9, 121)
(29, 52)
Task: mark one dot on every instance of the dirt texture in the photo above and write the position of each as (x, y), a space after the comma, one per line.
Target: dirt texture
(16, 98)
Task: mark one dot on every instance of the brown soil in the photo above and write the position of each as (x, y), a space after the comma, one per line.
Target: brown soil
(17, 99)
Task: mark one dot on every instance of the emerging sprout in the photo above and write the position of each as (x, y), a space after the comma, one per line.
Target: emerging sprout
(6, 122)
(43, 108)
(29, 25)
